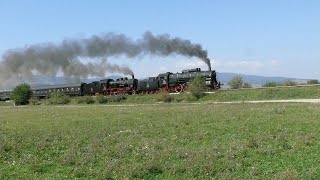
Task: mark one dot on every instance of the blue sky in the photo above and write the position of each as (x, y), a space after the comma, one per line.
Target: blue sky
(265, 37)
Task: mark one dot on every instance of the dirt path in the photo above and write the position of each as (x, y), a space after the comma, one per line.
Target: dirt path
(275, 101)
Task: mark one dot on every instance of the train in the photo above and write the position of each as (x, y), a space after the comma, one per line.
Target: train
(171, 82)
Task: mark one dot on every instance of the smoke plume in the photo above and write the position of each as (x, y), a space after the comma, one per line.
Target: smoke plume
(48, 59)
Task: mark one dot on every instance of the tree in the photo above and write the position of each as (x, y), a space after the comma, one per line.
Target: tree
(197, 87)
(21, 94)
(236, 82)
(313, 81)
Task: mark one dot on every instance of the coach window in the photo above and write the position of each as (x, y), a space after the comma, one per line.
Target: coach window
(72, 89)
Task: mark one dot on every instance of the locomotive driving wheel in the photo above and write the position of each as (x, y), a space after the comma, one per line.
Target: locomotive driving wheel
(178, 88)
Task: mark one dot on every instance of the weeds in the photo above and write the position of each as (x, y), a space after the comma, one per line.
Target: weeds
(58, 98)
(117, 98)
(164, 96)
(101, 99)
(34, 101)
(84, 100)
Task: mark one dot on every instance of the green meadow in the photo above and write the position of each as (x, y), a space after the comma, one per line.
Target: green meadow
(161, 141)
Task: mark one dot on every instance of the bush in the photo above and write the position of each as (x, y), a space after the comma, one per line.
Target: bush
(79, 100)
(289, 83)
(313, 81)
(89, 100)
(185, 97)
(246, 85)
(84, 100)
(21, 94)
(101, 99)
(270, 84)
(236, 82)
(34, 101)
(57, 98)
(116, 98)
(163, 96)
(197, 87)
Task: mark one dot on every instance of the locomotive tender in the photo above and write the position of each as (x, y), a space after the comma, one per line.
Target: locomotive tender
(171, 82)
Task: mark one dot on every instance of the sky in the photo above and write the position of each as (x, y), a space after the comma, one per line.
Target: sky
(265, 37)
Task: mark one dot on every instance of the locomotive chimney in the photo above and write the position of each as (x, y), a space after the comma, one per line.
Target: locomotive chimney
(209, 68)
(132, 76)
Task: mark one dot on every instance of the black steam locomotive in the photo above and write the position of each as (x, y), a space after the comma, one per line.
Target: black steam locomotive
(171, 82)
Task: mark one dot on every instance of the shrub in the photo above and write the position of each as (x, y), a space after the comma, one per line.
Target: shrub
(289, 83)
(21, 94)
(84, 100)
(270, 84)
(89, 100)
(117, 98)
(79, 100)
(246, 85)
(185, 97)
(101, 99)
(163, 96)
(57, 98)
(197, 87)
(236, 82)
(313, 81)
(34, 101)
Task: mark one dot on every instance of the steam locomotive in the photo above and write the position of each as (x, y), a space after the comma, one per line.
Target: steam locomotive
(171, 82)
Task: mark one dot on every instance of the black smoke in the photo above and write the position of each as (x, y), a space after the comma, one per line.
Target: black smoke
(49, 58)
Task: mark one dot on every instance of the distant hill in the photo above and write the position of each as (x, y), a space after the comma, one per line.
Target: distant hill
(256, 80)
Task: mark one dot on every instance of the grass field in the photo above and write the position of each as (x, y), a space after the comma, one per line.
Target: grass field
(164, 141)
(243, 95)
(276, 93)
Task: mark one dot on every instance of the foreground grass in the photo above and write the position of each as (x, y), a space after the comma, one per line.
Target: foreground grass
(256, 141)
(3, 103)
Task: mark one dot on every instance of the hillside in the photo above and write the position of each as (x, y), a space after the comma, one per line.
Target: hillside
(254, 79)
